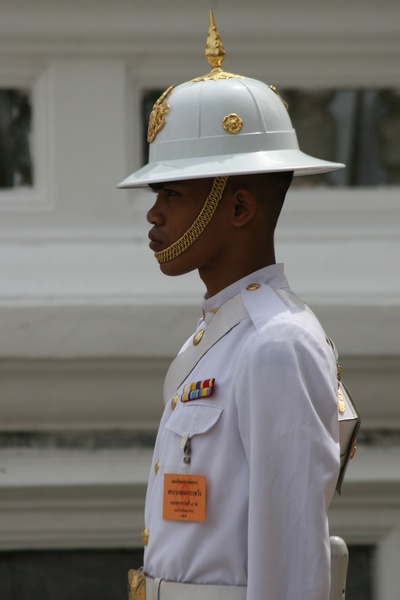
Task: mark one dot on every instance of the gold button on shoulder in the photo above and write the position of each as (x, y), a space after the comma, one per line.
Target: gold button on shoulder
(145, 536)
(174, 401)
(198, 337)
(253, 286)
(157, 467)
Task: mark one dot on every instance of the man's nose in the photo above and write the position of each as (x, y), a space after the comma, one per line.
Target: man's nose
(154, 215)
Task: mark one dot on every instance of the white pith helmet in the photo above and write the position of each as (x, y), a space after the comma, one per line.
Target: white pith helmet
(221, 124)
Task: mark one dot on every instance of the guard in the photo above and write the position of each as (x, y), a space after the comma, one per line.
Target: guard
(247, 455)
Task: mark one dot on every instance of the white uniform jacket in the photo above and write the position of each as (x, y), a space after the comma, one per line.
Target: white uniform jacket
(266, 440)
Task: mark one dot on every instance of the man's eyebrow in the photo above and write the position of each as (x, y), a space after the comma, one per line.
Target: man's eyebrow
(156, 186)
(163, 185)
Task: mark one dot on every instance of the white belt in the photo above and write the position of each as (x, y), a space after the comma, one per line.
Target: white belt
(159, 589)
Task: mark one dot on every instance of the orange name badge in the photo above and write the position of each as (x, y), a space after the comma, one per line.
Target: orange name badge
(184, 497)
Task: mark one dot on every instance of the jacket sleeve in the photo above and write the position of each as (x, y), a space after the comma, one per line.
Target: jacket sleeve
(288, 423)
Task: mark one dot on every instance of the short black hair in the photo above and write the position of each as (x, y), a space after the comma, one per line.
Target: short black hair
(269, 188)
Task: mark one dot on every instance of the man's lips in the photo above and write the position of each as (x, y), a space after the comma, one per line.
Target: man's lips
(155, 242)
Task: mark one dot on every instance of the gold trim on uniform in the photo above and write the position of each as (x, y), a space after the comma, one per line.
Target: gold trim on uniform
(157, 467)
(174, 401)
(198, 337)
(341, 402)
(136, 585)
(253, 286)
(145, 536)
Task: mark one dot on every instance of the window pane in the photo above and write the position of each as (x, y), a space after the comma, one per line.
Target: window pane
(66, 574)
(360, 573)
(15, 129)
(358, 127)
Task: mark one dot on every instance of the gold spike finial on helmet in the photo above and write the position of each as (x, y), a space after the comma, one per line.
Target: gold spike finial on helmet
(215, 51)
(215, 54)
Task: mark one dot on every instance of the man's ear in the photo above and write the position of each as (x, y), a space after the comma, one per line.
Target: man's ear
(244, 206)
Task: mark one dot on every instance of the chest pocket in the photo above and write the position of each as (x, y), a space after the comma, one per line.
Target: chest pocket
(193, 419)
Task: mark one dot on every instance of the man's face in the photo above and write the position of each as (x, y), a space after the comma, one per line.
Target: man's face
(177, 206)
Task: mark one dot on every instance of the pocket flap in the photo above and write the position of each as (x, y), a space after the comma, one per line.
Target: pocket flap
(193, 419)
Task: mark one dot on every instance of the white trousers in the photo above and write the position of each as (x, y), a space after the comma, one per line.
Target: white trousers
(159, 589)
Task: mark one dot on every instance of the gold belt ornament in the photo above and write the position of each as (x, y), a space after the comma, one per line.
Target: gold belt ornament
(136, 585)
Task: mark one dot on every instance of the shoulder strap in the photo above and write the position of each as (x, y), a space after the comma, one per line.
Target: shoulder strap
(227, 318)
(260, 304)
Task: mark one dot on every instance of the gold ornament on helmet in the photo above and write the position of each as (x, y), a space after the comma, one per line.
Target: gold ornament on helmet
(276, 91)
(201, 132)
(215, 54)
(232, 123)
(157, 116)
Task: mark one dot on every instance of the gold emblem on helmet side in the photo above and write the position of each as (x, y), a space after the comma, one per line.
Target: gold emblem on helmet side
(276, 91)
(157, 116)
(232, 123)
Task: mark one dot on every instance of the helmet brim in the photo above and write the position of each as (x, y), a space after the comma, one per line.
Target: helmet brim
(228, 165)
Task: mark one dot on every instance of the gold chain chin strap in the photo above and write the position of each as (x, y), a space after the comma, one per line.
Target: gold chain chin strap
(198, 226)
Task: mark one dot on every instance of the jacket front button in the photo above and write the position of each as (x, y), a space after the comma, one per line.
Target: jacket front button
(145, 536)
(253, 286)
(198, 337)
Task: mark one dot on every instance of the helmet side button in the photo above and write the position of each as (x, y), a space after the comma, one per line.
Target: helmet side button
(232, 123)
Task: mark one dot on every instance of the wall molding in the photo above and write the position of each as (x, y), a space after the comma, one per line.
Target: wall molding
(123, 397)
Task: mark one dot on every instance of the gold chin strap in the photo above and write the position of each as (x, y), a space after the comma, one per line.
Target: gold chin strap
(198, 226)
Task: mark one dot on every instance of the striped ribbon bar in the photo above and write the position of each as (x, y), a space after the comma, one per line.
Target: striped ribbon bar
(198, 389)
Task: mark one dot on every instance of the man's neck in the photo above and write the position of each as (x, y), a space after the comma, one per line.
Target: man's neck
(216, 284)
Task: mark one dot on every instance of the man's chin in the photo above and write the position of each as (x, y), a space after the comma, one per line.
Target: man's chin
(172, 268)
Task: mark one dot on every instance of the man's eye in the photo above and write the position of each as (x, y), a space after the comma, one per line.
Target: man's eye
(170, 192)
